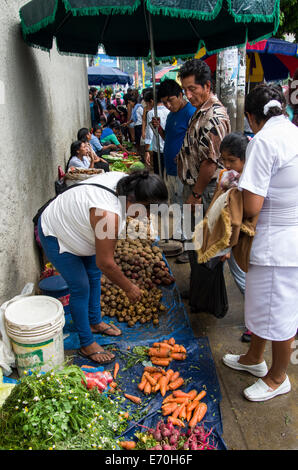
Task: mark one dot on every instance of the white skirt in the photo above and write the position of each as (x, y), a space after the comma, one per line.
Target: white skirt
(271, 302)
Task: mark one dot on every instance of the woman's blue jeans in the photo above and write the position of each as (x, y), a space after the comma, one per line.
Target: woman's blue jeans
(83, 279)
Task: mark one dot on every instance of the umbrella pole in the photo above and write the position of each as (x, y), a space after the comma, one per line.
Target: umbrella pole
(154, 88)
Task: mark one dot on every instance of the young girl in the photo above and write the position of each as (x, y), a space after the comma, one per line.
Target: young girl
(232, 149)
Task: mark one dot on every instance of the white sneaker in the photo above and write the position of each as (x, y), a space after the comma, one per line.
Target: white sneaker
(260, 391)
(259, 370)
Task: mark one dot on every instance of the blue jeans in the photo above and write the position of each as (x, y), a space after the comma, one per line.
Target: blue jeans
(237, 273)
(83, 279)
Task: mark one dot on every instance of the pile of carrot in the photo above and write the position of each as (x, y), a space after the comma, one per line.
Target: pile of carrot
(156, 379)
(164, 352)
(180, 406)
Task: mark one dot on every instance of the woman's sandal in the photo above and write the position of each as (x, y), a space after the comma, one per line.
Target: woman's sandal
(88, 356)
(109, 327)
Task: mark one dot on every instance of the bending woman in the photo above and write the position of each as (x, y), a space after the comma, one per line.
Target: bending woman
(71, 236)
(269, 182)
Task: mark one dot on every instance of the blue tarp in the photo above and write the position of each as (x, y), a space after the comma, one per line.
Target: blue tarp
(197, 370)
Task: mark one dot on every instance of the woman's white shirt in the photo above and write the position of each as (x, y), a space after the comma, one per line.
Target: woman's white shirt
(271, 171)
(68, 217)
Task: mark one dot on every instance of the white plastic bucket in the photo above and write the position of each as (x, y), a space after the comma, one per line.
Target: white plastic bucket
(34, 325)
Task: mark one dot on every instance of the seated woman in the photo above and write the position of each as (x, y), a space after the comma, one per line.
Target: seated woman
(84, 135)
(78, 157)
(109, 135)
(98, 148)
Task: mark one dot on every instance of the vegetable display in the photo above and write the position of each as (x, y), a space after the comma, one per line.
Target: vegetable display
(166, 437)
(164, 352)
(56, 411)
(156, 379)
(118, 166)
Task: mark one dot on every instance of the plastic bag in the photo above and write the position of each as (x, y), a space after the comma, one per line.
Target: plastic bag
(7, 357)
(207, 287)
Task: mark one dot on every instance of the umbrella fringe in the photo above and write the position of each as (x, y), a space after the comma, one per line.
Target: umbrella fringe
(37, 26)
(102, 10)
(247, 18)
(184, 13)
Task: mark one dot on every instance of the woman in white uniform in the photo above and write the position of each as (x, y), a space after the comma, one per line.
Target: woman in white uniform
(269, 182)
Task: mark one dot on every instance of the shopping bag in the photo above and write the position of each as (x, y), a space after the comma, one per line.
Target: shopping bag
(207, 287)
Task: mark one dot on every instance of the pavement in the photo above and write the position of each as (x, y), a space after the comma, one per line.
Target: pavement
(269, 425)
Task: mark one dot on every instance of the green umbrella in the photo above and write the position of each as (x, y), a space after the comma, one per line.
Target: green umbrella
(179, 27)
(132, 28)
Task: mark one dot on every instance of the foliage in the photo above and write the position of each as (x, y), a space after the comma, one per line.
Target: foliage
(56, 411)
(288, 19)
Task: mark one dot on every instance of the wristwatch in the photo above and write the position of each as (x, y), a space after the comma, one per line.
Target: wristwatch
(196, 195)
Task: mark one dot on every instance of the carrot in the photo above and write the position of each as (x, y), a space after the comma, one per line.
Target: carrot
(200, 395)
(126, 415)
(172, 341)
(151, 370)
(188, 415)
(113, 385)
(178, 356)
(150, 379)
(182, 412)
(163, 381)
(128, 445)
(160, 361)
(159, 352)
(168, 398)
(112, 390)
(192, 394)
(176, 421)
(133, 398)
(179, 393)
(176, 384)
(156, 388)
(175, 376)
(178, 400)
(169, 374)
(182, 349)
(169, 408)
(176, 348)
(176, 412)
(147, 388)
(142, 384)
(198, 414)
(116, 370)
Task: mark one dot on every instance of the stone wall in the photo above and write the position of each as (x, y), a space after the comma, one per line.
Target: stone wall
(43, 102)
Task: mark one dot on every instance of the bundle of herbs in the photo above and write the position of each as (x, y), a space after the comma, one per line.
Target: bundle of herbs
(55, 411)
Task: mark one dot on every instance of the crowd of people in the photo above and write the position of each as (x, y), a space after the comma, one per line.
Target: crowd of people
(196, 148)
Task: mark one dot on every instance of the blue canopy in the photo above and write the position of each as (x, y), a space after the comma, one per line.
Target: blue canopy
(101, 75)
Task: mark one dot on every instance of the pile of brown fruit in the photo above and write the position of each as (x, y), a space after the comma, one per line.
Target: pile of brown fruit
(114, 303)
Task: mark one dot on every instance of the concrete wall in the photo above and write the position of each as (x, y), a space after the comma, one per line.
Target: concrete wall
(43, 102)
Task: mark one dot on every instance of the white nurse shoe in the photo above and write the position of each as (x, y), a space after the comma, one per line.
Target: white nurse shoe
(259, 370)
(260, 391)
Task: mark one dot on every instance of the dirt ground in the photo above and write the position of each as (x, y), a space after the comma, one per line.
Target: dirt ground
(270, 425)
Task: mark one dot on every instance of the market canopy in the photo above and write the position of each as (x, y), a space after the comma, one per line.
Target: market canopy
(101, 75)
(180, 27)
(269, 59)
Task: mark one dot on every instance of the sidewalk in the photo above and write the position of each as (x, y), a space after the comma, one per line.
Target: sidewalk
(270, 425)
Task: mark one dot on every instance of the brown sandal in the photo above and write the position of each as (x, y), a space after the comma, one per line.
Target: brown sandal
(109, 327)
(88, 356)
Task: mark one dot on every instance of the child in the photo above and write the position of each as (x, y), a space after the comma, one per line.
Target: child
(232, 149)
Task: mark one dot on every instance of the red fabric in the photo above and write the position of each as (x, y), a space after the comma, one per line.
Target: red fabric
(289, 61)
(258, 46)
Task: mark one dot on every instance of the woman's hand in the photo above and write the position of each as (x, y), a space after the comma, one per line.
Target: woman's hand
(225, 257)
(134, 293)
(147, 158)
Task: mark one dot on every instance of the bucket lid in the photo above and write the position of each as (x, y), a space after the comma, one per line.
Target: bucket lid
(53, 283)
(33, 311)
